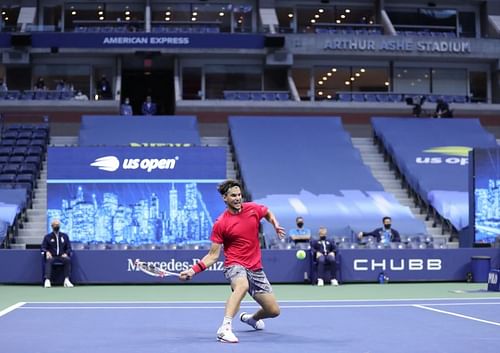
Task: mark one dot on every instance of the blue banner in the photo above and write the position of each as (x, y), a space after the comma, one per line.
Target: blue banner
(281, 266)
(115, 266)
(122, 164)
(143, 40)
(127, 195)
(365, 265)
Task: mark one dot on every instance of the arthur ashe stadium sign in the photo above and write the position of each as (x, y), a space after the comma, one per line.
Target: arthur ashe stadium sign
(399, 45)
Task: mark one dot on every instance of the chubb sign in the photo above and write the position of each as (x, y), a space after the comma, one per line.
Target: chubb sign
(398, 264)
(112, 163)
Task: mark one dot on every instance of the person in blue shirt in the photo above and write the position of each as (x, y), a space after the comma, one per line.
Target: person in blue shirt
(385, 234)
(126, 108)
(56, 246)
(300, 234)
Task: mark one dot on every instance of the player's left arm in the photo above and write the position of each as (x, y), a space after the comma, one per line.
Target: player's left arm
(280, 231)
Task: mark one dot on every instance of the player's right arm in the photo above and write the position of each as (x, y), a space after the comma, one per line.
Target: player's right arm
(207, 261)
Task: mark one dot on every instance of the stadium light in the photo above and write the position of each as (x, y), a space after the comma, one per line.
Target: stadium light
(221, 14)
(290, 15)
(321, 10)
(347, 83)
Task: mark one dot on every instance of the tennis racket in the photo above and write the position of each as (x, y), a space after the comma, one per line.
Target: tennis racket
(155, 271)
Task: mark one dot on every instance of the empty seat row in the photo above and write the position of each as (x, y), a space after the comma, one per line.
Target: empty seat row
(257, 95)
(30, 127)
(105, 29)
(10, 142)
(21, 151)
(186, 29)
(348, 31)
(36, 95)
(420, 33)
(390, 97)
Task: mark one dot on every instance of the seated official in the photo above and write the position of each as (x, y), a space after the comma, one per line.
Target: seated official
(324, 254)
(56, 246)
(385, 234)
(300, 234)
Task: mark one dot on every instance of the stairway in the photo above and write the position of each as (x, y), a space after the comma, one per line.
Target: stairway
(380, 170)
(33, 230)
(222, 141)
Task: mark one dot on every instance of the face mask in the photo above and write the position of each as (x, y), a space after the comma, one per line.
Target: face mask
(387, 226)
(300, 224)
(55, 229)
(322, 237)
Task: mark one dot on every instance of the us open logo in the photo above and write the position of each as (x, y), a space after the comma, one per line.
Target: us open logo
(112, 163)
(458, 155)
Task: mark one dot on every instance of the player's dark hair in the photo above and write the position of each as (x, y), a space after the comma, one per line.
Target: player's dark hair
(226, 185)
(386, 217)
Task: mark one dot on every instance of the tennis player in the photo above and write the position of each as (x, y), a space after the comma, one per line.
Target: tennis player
(237, 230)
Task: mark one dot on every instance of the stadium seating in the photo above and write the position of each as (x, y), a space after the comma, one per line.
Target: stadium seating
(257, 95)
(431, 156)
(94, 130)
(324, 179)
(36, 95)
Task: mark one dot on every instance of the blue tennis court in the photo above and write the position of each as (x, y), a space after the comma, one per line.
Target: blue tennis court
(427, 325)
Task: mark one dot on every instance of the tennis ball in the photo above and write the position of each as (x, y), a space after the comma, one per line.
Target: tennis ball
(301, 254)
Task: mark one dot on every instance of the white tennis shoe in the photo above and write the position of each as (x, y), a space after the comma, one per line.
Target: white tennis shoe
(46, 283)
(248, 319)
(225, 334)
(68, 284)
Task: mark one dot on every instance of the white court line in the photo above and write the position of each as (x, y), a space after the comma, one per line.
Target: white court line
(11, 308)
(318, 306)
(457, 315)
(411, 300)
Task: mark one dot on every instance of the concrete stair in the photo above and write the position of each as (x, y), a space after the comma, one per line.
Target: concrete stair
(380, 170)
(222, 141)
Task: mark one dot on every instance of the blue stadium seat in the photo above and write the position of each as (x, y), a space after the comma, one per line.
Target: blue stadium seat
(8, 142)
(244, 96)
(395, 97)
(383, 97)
(10, 168)
(358, 97)
(5, 151)
(283, 96)
(344, 97)
(7, 178)
(10, 134)
(459, 99)
(20, 151)
(23, 142)
(370, 97)
(16, 159)
(257, 96)
(25, 134)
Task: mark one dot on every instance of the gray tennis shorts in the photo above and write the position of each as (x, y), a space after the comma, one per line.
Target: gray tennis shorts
(257, 280)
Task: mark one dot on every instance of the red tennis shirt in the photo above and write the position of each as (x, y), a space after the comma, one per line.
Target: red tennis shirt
(239, 234)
